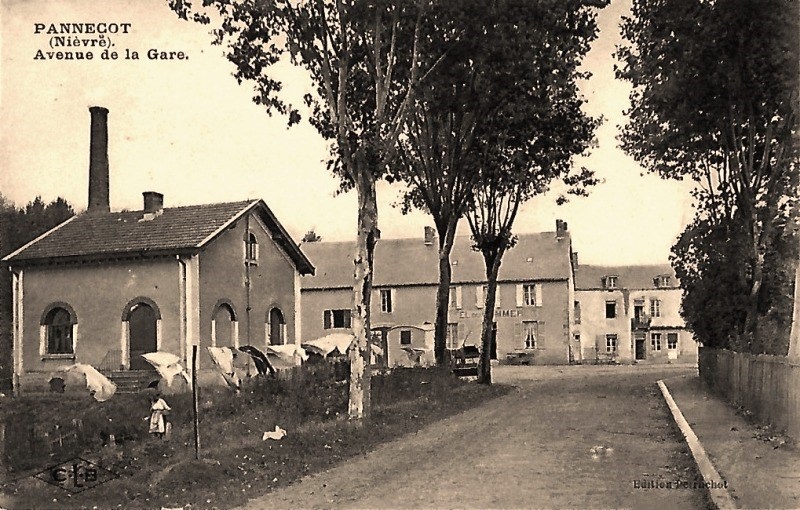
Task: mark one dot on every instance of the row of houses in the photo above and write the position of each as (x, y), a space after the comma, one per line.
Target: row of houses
(105, 287)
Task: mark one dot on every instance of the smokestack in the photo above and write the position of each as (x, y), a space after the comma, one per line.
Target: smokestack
(98, 161)
(430, 234)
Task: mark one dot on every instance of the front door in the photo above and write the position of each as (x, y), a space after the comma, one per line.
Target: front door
(640, 351)
(142, 322)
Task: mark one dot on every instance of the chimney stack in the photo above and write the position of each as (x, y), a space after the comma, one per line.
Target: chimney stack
(561, 228)
(98, 161)
(430, 235)
(153, 202)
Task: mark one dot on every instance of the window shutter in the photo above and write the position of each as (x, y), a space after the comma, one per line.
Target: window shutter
(497, 296)
(326, 320)
(393, 296)
(479, 296)
(255, 250)
(520, 296)
(458, 297)
(518, 338)
(540, 335)
(538, 290)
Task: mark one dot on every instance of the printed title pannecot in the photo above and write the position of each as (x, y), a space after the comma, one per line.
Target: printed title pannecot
(81, 28)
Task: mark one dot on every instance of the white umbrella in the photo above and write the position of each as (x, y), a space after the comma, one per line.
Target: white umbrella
(167, 365)
(327, 344)
(100, 387)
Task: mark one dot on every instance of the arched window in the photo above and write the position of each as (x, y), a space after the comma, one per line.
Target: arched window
(251, 249)
(224, 327)
(59, 331)
(277, 327)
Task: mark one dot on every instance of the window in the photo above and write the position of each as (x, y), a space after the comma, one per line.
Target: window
(610, 282)
(662, 281)
(481, 291)
(452, 336)
(251, 249)
(577, 307)
(455, 296)
(386, 300)
(672, 341)
(655, 341)
(405, 337)
(655, 308)
(530, 333)
(529, 294)
(58, 325)
(611, 309)
(277, 327)
(611, 343)
(334, 319)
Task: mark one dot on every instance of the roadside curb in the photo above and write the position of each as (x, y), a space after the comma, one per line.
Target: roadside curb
(720, 496)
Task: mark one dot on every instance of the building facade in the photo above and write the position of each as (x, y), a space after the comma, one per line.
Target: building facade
(532, 314)
(630, 314)
(105, 287)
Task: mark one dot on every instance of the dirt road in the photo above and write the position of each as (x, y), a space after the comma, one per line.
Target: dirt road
(537, 447)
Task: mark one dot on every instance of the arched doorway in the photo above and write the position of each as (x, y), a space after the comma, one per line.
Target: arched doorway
(277, 327)
(224, 327)
(143, 334)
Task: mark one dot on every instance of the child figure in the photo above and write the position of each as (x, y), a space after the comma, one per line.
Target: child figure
(158, 413)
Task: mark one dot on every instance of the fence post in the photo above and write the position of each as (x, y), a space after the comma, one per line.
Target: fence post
(195, 415)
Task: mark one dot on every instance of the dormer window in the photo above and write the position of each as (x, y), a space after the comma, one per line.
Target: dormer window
(662, 281)
(251, 249)
(610, 282)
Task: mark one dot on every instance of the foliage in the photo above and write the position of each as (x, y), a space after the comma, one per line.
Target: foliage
(18, 226)
(715, 100)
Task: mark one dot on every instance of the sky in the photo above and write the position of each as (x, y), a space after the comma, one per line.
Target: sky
(187, 129)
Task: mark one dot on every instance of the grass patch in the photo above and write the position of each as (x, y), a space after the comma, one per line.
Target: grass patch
(235, 463)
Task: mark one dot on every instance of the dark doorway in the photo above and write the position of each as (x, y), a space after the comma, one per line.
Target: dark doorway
(142, 322)
(640, 349)
(493, 350)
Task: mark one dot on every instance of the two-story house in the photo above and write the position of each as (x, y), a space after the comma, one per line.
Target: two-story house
(630, 314)
(533, 311)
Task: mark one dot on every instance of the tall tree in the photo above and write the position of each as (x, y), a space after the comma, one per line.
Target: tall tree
(363, 59)
(529, 142)
(435, 145)
(715, 100)
(508, 54)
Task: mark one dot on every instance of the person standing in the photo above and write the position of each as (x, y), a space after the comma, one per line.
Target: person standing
(159, 409)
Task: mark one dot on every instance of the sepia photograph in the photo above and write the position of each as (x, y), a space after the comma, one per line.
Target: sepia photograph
(399, 254)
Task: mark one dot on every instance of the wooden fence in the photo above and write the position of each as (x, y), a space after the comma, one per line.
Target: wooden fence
(767, 386)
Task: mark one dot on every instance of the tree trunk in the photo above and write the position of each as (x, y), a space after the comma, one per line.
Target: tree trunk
(492, 262)
(443, 294)
(367, 237)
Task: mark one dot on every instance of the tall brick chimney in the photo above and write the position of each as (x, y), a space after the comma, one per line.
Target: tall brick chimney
(98, 161)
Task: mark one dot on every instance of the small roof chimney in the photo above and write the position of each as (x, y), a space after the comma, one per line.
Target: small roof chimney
(430, 235)
(153, 204)
(98, 161)
(561, 228)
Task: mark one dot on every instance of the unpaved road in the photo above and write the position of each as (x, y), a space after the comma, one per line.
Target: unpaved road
(530, 449)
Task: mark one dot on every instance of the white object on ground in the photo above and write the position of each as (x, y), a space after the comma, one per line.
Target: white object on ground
(277, 434)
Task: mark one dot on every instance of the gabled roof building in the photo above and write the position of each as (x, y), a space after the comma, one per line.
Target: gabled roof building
(533, 310)
(105, 287)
